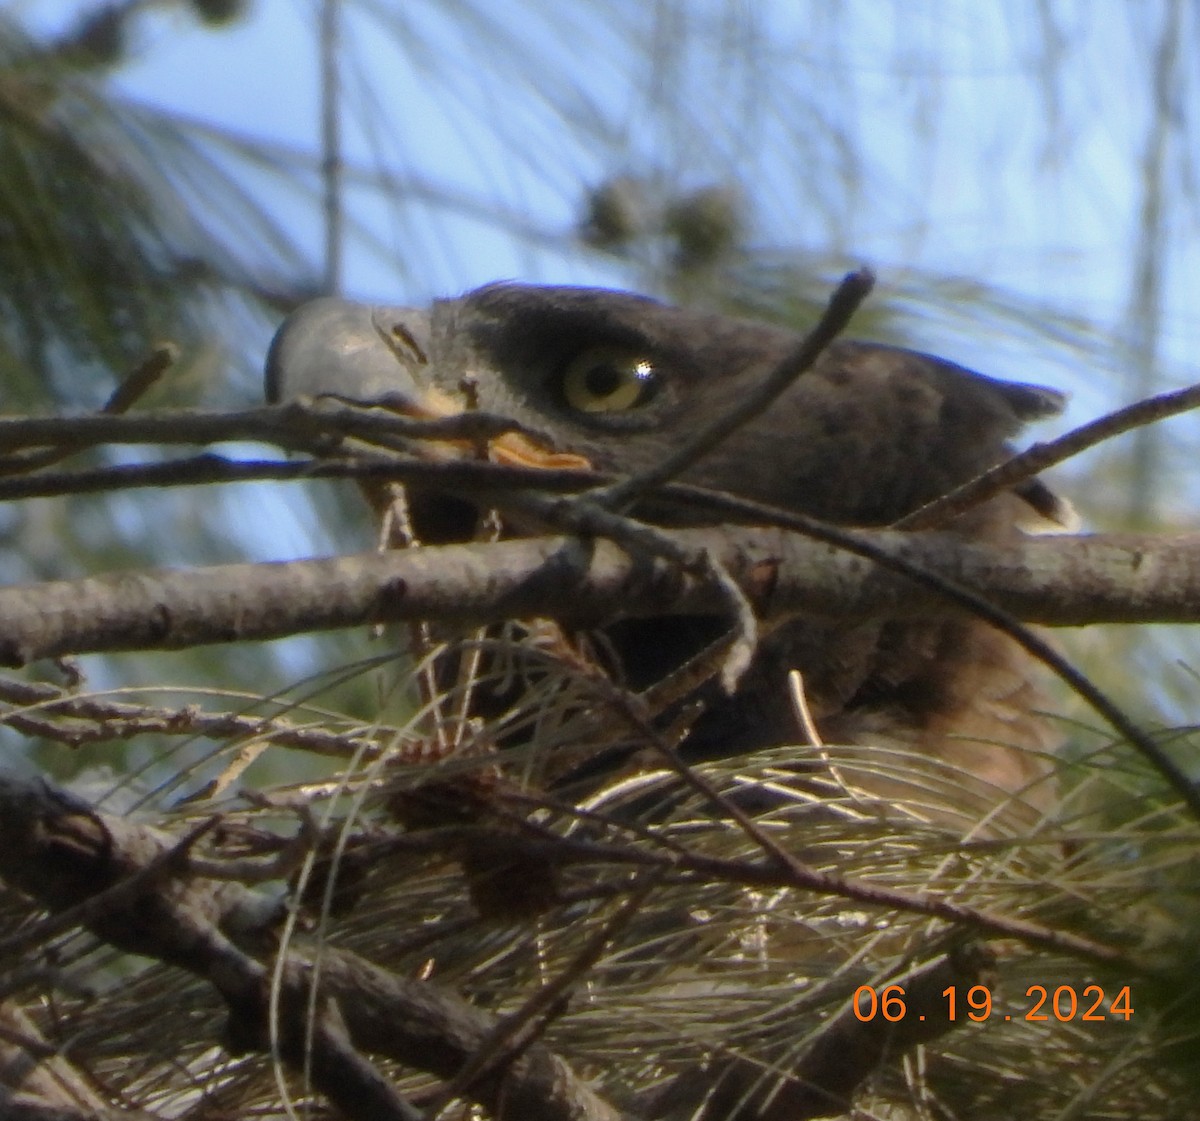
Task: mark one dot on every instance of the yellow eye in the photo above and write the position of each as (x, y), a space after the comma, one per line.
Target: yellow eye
(608, 379)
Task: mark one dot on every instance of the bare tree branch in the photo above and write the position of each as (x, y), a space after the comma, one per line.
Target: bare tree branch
(304, 424)
(201, 470)
(38, 709)
(65, 854)
(1039, 457)
(1056, 581)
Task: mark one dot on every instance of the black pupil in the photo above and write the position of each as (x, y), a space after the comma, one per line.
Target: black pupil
(603, 380)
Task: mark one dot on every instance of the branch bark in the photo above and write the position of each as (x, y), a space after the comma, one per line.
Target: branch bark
(1054, 581)
(65, 854)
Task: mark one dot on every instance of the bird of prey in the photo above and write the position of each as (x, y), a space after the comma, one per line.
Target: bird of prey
(869, 434)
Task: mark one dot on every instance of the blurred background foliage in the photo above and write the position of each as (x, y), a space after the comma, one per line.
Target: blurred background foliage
(1021, 173)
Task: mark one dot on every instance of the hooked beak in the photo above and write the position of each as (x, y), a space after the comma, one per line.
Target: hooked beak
(355, 351)
(383, 355)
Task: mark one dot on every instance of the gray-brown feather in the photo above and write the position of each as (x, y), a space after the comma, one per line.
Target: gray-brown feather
(869, 434)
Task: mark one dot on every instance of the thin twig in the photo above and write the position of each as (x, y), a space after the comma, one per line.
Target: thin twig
(141, 380)
(463, 476)
(298, 425)
(95, 720)
(332, 165)
(845, 300)
(127, 394)
(1038, 457)
(790, 873)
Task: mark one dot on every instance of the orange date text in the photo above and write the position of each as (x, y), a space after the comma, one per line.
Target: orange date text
(1043, 1003)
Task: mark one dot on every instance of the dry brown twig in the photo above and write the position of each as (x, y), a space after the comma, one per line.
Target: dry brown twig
(1041, 457)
